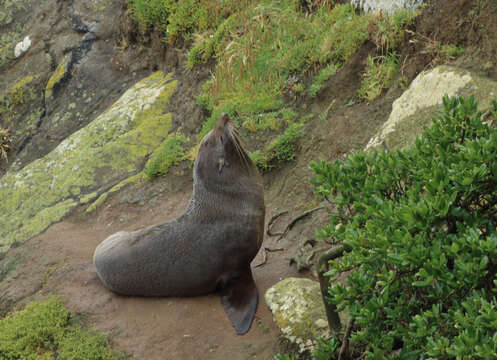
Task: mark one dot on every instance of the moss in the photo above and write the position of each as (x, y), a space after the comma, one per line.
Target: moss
(57, 76)
(87, 198)
(101, 199)
(132, 179)
(112, 147)
(45, 330)
(21, 92)
(97, 202)
(8, 39)
(169, 154)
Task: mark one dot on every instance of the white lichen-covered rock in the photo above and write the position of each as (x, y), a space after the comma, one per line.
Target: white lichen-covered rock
(298, 310)
(111, 148)
(22, 47)
(386, 6)
(423, 100)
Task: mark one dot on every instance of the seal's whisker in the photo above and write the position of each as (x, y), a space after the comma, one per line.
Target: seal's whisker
(239, 149)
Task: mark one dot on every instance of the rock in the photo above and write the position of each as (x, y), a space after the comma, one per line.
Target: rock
(298, 310)
(61, 72)
(111, 148)
(22, 47)
(417, 106)
(386, 6)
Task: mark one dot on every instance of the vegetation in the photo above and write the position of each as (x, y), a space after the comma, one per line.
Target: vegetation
(264, 49)
(380, 73)
(168, 155)
(5, 141)
(319, 80)
(46, 330)
(419, 230)
(281, 149)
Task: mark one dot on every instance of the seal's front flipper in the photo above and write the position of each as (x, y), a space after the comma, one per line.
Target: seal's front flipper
(240, 300)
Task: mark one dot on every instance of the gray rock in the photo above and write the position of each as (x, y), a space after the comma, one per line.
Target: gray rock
(299, 312)
(386, 6)
(422, 101)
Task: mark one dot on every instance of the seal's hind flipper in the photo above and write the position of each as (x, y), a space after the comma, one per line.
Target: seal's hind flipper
(240, 300)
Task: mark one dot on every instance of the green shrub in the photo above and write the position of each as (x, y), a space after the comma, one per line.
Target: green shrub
(419, 227)
(327, 350)
(44, 330)
(169, 154)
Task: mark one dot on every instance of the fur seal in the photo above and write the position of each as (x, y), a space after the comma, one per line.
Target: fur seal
(209, 248)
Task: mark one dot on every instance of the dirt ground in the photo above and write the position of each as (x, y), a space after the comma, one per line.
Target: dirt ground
(59, 261)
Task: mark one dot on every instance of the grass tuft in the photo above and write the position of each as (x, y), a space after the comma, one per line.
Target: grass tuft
(380, 73)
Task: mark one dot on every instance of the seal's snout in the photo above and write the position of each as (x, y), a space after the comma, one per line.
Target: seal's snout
(223, 120)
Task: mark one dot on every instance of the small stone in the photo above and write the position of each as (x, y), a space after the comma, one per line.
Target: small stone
(22, 47)
(387, 7)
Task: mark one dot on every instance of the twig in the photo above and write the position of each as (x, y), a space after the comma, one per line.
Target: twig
(264, 254)
(273, 249)
(264, 258)
(273, 219)
(344, 350)
(295, 220)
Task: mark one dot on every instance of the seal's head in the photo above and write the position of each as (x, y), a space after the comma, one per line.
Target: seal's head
(221, 149)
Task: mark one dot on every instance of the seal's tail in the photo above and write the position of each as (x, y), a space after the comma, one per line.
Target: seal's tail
(240, 301)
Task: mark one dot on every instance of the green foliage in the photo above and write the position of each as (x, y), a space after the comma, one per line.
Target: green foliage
(319, 80)
(327, 350)
(419, 226)
(380, 73)
(44, 330)
(283, 357)
(169, 154)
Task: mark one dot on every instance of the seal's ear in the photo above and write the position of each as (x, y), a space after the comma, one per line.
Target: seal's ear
(240, 301)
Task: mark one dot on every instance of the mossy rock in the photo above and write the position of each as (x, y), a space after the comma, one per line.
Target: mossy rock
(298, 310)
(111, 148)
(422, 101)
(58, 75)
